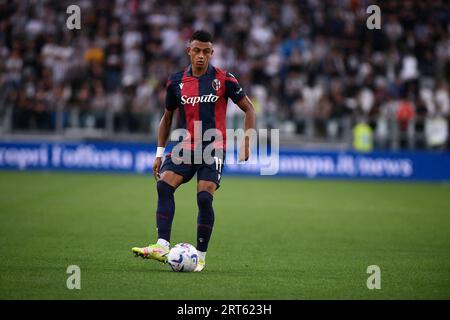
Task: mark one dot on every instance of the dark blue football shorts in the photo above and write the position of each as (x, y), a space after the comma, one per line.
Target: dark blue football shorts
(208, 172)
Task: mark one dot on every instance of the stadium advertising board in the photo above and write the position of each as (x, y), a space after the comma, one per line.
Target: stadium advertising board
(138, 158)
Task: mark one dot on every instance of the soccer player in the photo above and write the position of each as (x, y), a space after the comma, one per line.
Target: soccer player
(200, 94)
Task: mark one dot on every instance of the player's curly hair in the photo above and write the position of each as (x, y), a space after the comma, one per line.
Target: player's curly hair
(201, 35)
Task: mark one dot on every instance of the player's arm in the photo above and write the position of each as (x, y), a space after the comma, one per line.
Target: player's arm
(164, 128)
(163, 136)
(235, 93)
(249, 124)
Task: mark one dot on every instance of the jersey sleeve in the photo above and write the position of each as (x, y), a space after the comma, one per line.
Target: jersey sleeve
(171, 99)
(233, 89)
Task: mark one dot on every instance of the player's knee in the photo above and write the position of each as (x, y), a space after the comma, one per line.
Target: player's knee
(164, 189)
(204, 199)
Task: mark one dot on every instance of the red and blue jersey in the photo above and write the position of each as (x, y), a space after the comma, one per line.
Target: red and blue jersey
(202, 99)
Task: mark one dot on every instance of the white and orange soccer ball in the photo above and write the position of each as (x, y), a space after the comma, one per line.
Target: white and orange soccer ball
(183, 257)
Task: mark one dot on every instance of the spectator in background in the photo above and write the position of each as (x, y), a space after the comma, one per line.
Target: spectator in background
(13, 66)
(362, 137)
(436, 132)
(442, 100)
(405, 113)
(144, 106)
(98, 106)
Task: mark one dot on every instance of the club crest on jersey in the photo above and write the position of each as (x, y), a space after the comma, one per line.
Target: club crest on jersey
(216, 84)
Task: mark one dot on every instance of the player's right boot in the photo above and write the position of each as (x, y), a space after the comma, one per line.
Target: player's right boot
(200, 265)
(153, 251)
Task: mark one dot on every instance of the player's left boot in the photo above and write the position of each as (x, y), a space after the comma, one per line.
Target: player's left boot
(154, 251)
(200, 265)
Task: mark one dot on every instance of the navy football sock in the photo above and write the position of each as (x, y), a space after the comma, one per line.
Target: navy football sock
(205, 220)
(165, 210)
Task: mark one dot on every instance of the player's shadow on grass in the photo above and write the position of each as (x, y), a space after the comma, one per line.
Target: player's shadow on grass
(154, 270)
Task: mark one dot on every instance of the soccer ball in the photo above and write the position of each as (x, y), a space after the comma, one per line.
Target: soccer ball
(183, 257)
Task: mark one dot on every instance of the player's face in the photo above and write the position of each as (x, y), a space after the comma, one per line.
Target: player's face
(200, 53)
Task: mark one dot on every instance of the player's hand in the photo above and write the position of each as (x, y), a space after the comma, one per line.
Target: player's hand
(244, 150)
(157, 167)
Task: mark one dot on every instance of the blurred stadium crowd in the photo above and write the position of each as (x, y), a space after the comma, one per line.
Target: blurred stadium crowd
(312, 68)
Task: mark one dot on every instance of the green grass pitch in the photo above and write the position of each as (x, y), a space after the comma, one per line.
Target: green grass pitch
(273, 239)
